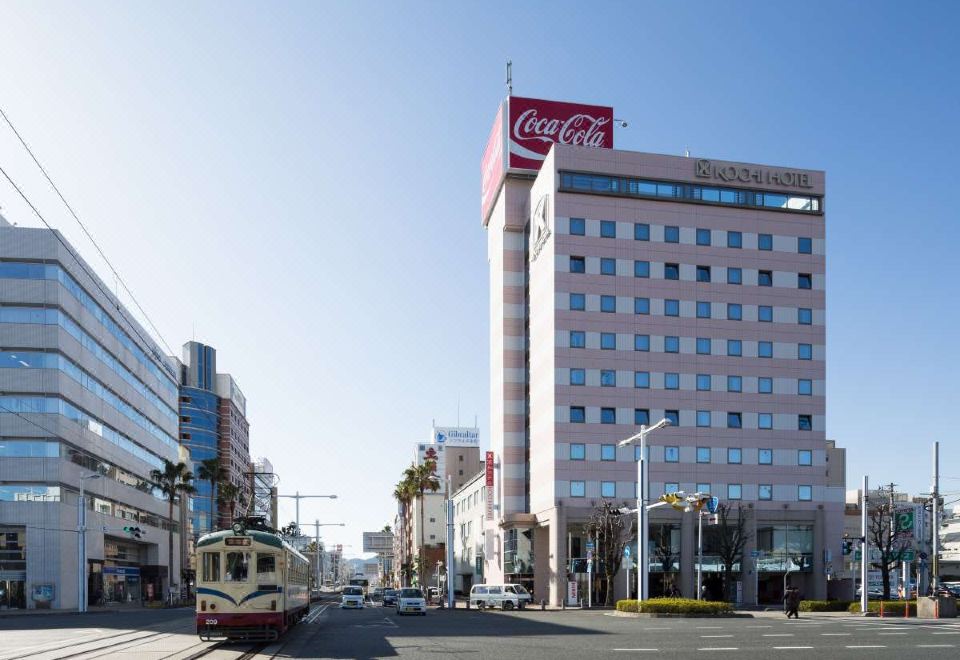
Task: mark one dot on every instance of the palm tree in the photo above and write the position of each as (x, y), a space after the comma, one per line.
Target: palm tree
(174, 482)
(227, 493)
(403, 493)
(211, 470)
(422, 478)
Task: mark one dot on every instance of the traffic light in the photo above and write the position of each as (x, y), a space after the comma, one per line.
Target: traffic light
(134, 532)
(847, 546)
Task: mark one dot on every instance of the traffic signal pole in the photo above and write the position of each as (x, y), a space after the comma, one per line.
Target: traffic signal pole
(864, 547)
(935, 535)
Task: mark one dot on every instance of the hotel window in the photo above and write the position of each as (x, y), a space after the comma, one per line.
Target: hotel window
(673, 416)
(608, 341)
(608, 452)
(641, 343)
(703, 454)
(671, 381)
(734, 491)
(608, 489)
(765, 313)
(765, 457)
(608, 415)
(608, 378)
(765, 492)
(734, 455)
(671, 487)
(671, 344)
(703, 346)
(805, 387)
(671, 308)
(608, 304)
(734, 312)
(578, 489)
(703, 382)
(703, 237)
(641, 231)
(641, 416)
(804, 493)
(578, 339)
(578, 302)
(641, 269)
(641, 379)
(641, 305)
(804, 281)
(765, 242)
(703, 310)
(765, 349)
(734, 384)
(804, 245)
(703, 419)
(577, 415)
(671, 234)
(765, 421)
(765, 278)
(578, 226)
(804, 351)
(703, 273)
(671, 454)
(804, 316)
(578, 265)
(734, 347)
(703, 488)
(804, 422)
(671, 271)
(765, 385)
(734, 239)
(578, 377)
(578, 451)
(734, 276)
(734, 420)
(804, 457)
(608, 266)
(608, 229)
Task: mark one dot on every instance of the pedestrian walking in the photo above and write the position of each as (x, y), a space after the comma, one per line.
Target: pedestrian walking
(703, 592)
(791, 602)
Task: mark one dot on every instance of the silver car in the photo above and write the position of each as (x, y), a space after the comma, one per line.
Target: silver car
(411, 601)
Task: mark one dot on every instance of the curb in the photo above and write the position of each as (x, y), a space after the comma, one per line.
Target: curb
(664, 615)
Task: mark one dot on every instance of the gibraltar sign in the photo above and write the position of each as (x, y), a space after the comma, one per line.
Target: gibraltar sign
(456, 436)
(750, 174)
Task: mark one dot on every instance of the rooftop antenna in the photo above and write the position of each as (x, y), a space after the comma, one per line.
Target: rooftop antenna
(509, 77)
(686, 152)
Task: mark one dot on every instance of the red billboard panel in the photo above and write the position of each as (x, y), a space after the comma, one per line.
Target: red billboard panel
(489, 484)
(492, 166)
(534, 125)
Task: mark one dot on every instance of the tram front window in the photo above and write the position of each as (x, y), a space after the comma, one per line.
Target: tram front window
(211, 566)
(238, 565)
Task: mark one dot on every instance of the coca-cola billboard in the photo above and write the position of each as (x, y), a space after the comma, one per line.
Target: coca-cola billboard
(492, 166)
(534, 125)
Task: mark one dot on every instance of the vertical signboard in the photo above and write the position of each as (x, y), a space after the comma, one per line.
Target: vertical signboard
(489, 484)
(492, 166)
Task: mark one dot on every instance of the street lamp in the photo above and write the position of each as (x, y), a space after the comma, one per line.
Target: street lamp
(299, 497)
(317, 525)
(643, 486)
(82, 546)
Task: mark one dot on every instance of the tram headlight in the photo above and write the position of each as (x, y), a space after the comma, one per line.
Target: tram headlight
(238, 528)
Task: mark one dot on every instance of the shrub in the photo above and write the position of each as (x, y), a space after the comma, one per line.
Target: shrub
(675, 606)
(890, 607)
(826, 606)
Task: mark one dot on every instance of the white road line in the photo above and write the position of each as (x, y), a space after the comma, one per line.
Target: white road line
(892, 633)
(867, 646)
(786, 648)
(777, 635)
(636, 650)
(935, 646)
(946, 633)
(834, 634)
(759, 626)
(709, 627)
(721, 648)
(714, 636)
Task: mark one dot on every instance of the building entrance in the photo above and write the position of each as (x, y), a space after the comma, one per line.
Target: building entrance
(121, 584)
(13, 594)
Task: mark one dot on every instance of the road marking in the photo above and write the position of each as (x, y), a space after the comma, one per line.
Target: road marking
(636, 650)
(866, 646)
(835, 634)
(721, 648)
(892, 633)
(759, 626)
(777, 635)
(714, 636)
(935, 646)
(787, 648)
(709, 627)
(946, 633)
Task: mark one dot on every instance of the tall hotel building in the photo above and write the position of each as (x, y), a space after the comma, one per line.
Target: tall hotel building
(627, 287)
(84, 392)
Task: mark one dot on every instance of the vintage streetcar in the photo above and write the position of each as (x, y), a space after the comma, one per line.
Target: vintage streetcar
(251, 584)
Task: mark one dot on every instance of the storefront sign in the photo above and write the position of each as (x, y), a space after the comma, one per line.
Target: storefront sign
(42, 593)
(727, 173)
(456, 436)
(489, 484)
(572, 595)
(122, 570)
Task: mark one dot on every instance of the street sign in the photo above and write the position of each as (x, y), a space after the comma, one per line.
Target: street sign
(754, 553)
(713, 504)
(923, 555)
(857, 554)
(905, 521)
(908, 555)
(626, 551)
(589, 545)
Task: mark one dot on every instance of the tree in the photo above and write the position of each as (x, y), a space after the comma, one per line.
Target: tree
(173, 481)
(422, 478)
(227, 493)
(732, 536)
(386, 530)
(290, 530)
(887, 537)
(210, 470)
(663, 550)
(404, 494)
(612, 531)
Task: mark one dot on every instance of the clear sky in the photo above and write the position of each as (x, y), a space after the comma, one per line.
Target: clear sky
(297, 184)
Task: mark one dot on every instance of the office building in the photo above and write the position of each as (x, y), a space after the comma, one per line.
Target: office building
(469, 507)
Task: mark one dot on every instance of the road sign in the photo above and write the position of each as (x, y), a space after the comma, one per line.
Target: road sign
(923, 555)
(626, 551)
(754, 553)
(589, 545)
(713, 504)
(908, 555)
(857, 554)
(905, 521)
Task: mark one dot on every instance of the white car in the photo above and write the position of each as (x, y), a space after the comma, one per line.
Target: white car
(504, 596)
(410, 600)
(351, 597)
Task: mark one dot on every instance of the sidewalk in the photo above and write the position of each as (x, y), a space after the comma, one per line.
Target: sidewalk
(92, 609)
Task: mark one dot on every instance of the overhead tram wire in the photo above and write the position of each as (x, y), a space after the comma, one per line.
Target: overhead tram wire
(73, 213)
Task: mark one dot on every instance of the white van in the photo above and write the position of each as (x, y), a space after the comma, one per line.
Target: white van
(504, 596)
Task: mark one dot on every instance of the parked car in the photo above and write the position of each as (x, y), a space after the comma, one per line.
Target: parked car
(351, 597)
(504, 596)
(411, 600)
(389, 597)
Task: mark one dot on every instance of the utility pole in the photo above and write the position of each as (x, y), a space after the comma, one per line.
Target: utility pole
(935, 508)
(864, 547)
(450, 600)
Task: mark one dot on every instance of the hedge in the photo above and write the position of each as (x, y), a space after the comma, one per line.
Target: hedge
(826, 605)
(674, 606)
(890, 607)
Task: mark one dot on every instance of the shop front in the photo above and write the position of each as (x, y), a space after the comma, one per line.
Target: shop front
(121, 584)
(13, 568)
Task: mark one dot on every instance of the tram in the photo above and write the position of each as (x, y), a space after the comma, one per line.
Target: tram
(251, 584)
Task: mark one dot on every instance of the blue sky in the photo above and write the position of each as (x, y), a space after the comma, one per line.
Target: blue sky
(297, 184)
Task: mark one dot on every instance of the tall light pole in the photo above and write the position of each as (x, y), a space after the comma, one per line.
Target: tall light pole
(864, 546)
(450, 600)
(317, 525)
(297, 496)
(82, 546)
(643, 495)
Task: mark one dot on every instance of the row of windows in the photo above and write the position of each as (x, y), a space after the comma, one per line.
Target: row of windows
(49, 316)
(608, 489)
(671, 454)
(671, 271)
(673, 344)
(620, 186)
(56, 406)
(704, 310)
(704, 418)
(704, 382)
(672, 234)
(38, 271)
(34, 360)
